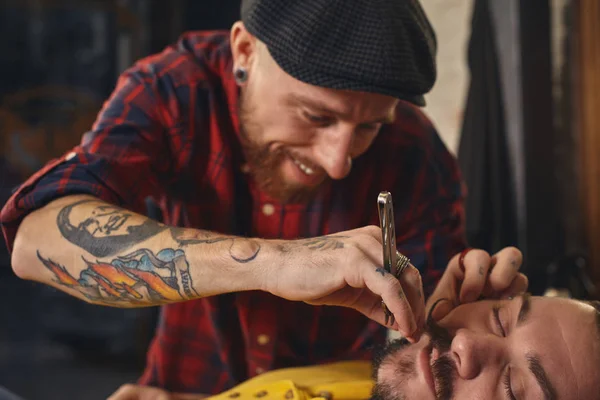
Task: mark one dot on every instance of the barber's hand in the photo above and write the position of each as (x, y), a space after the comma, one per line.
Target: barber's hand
(479, 276)
(139, 392)
(345, 269)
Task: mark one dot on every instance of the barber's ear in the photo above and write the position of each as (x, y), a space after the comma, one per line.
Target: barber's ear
(243, 45)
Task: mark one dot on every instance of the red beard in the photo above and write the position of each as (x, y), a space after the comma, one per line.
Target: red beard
(265, 165)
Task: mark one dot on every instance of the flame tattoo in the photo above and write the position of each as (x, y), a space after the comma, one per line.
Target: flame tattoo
(60, 273)
(141, 278)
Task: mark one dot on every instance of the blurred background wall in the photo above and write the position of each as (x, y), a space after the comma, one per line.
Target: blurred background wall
(61, 58)
(445, 103)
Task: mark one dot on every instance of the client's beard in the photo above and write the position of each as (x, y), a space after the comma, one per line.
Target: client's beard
(264, 163)
(442, 369)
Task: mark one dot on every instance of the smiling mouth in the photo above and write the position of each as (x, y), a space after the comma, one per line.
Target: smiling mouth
(303, 167)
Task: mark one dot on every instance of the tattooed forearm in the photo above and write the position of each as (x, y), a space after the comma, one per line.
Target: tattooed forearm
(185, 237)
(241, 250)
(329, 242)
(139, 278)
(106, 230)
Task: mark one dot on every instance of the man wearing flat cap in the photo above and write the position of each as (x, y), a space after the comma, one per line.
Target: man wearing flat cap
(265, 148)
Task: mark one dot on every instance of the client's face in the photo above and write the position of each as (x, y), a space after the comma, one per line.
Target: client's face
(526, 348)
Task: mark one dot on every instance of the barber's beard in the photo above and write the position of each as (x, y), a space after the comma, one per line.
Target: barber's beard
(443, 368)
(265, 164)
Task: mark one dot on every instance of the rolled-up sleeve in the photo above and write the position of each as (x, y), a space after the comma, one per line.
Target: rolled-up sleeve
(121, 160)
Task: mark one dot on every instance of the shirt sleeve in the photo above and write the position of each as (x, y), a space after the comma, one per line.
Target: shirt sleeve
(430, 223)
(125, 157)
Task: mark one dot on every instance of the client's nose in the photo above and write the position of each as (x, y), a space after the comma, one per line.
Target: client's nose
(473, 351)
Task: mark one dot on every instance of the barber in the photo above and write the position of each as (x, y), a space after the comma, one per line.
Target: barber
(265, 148)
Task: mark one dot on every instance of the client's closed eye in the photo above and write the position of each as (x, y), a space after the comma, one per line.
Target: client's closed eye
(498, 320)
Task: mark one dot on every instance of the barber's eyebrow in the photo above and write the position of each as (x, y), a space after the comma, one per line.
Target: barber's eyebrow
(296, 99)
(316, 105)
(541, 377)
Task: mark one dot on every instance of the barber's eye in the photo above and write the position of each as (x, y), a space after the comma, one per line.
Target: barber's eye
(318, 119)
(498, 320)
(368, 127)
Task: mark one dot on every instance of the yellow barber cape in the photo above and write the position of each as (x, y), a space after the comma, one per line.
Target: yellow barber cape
(340, 381)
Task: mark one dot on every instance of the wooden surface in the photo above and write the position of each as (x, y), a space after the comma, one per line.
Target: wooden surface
(587, 111)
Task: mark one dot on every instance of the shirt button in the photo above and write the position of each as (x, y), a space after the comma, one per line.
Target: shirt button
(263, 339)
(268, 209)
(259, 370)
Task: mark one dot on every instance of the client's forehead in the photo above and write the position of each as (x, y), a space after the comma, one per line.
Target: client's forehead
(564, 334)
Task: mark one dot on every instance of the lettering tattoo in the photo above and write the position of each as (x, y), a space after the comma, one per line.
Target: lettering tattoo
(105, 231)
(138, 278)
(329, 242)
(382, 271)
(185, 237)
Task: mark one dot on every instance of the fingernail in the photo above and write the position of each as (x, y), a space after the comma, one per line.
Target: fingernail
(413, 327)
(417, 335)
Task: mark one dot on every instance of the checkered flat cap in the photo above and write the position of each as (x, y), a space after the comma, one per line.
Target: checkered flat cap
(378, 46)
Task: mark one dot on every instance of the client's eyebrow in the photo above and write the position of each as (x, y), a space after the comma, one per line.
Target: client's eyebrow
(525, 309)
(535, 366)
(541, 377)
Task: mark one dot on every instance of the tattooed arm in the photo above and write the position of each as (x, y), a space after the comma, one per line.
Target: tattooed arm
(108, 255)
(111, 256)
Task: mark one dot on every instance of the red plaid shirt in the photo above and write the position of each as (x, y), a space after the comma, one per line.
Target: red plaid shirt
(169, 133)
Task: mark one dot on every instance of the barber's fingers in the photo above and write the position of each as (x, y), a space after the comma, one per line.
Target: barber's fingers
(385, 285)
(442, 308)
(401, 296)
(507, 263)
(407, 301)
(412, 284)
(371, 230)
(476, 266)
(371, 306)
(518, 286)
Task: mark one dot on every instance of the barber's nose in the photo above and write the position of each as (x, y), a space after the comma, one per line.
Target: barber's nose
(333, 151)
(474, 351)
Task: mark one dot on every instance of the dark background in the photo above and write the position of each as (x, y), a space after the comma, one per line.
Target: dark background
(60, 60)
